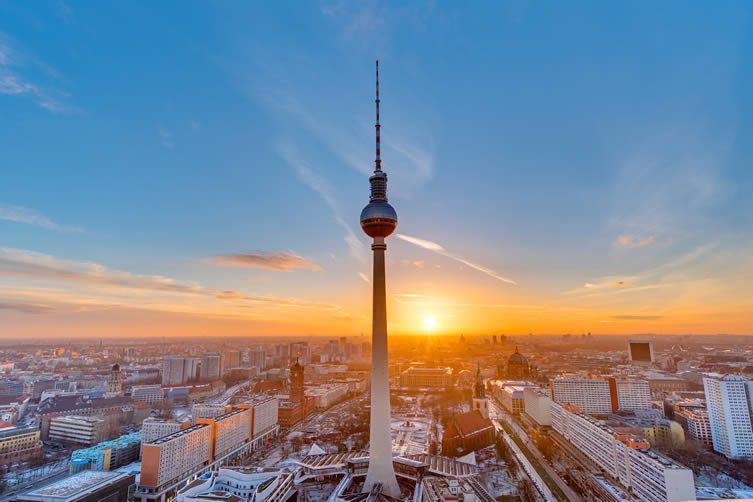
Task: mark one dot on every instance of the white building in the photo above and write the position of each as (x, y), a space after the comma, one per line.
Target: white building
(77, 429)
(265, 418)
(632, 394)
(155, 428)
(177, 370)
(211, 366)
(695, 421)
(626, 458)
(328, 394)
(245, 484)
(147, 393)
(592, 395)
(201, 410)
(538, 406)
(728, 401)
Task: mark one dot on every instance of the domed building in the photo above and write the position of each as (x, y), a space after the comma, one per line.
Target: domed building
(517, 366)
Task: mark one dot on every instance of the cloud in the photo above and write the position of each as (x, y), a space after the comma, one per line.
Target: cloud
(290, 154)
(635, 241)
(637, 317)
(14, 83)
(31, 265)
(437, 248)
(281, 261)
(28, 216)
(27, 308)
(364, 277)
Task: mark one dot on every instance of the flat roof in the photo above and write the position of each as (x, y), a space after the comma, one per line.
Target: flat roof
(178, 434)
(75, 485)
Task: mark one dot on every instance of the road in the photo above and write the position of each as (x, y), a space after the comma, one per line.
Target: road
(228, 394)
(497, 413)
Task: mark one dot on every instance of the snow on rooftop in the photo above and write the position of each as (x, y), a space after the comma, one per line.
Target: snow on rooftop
(72, 485)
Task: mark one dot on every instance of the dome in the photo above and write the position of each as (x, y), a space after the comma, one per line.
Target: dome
(517, 358)
(378, 219)
(115, 367)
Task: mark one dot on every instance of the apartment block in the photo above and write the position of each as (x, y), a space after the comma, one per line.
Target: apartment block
(627, 458)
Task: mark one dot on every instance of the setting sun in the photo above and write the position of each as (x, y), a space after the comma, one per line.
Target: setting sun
(430, 322)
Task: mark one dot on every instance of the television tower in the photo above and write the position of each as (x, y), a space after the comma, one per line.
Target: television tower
(378, 220)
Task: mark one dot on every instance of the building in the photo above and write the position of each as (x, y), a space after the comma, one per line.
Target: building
(592, 395)
(728, 401)
(659, 432)
(80, 430)
(84, 486)
(115, 411)
(211, 366)
(326, 395)
(426, 378)
(695, 422)
(235, 484)
(201, 410)
(147, 393)
(109, 455)
(178, 370)
(18, 444)
(641, 352)
(265, 419)
(632, 394)
(230, 430)
(510, 394)
(232, 359)
(537, 407)
(154, 428)
(257, 358)
(11, 388)
(480, 402)
(466, 433)
(115, 381)
(170, 459)
(625, 458)
(517, 367)
(296, 383)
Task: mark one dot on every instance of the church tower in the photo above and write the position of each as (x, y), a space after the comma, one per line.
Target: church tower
(480, 403)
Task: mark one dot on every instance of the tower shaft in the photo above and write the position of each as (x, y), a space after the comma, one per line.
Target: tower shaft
(381, 469)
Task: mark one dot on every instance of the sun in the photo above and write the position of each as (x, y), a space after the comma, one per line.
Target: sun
(430, 322)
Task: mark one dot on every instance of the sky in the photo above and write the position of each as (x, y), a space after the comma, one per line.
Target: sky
(198, 168)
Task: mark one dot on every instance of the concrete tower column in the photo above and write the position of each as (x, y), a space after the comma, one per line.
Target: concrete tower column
(381, 469)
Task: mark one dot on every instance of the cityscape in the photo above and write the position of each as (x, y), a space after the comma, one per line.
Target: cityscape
(220, 311)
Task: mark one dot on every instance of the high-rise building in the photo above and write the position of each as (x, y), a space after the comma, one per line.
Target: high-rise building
(378, 221)
(211, 366)
(296, 383)
(632, 394)
(178, 370)
(695, 422)
(728, 400)
(300, 351)
(154, 428)
(257, 358)
(625, 457)
(592, 395)
(232, 359)
(171, 458)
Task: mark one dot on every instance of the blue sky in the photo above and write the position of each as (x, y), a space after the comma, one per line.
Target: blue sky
(597, 155)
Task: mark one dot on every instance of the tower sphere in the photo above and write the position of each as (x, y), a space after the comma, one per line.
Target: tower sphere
(378, 219)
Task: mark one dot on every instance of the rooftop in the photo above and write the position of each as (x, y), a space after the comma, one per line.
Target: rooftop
(76, 485)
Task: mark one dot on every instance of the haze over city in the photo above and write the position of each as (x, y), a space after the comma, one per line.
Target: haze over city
(197, 170)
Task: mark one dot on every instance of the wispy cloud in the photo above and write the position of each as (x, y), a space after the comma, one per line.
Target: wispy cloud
(364, 277)
(31, 265)
(310, 178)
(635, 241)
(28, 216)
(13, 82)
(439, 249)
(637, 317)
(281, 261)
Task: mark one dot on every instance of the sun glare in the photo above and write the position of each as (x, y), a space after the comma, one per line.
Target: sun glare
(430, 322)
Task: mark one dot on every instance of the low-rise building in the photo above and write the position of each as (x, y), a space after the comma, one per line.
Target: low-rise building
(466, 433)
(147, 393)
(18, 444)
(85, 486)
(426, 378)
(109, 455)
(74, 429)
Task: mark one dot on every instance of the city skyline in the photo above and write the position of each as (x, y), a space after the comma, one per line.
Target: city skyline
(202, 177)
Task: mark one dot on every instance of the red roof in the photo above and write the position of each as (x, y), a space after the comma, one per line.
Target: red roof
(269, 386)
(471, 423)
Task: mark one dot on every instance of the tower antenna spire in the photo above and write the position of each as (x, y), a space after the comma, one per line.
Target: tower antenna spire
(378, 160)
